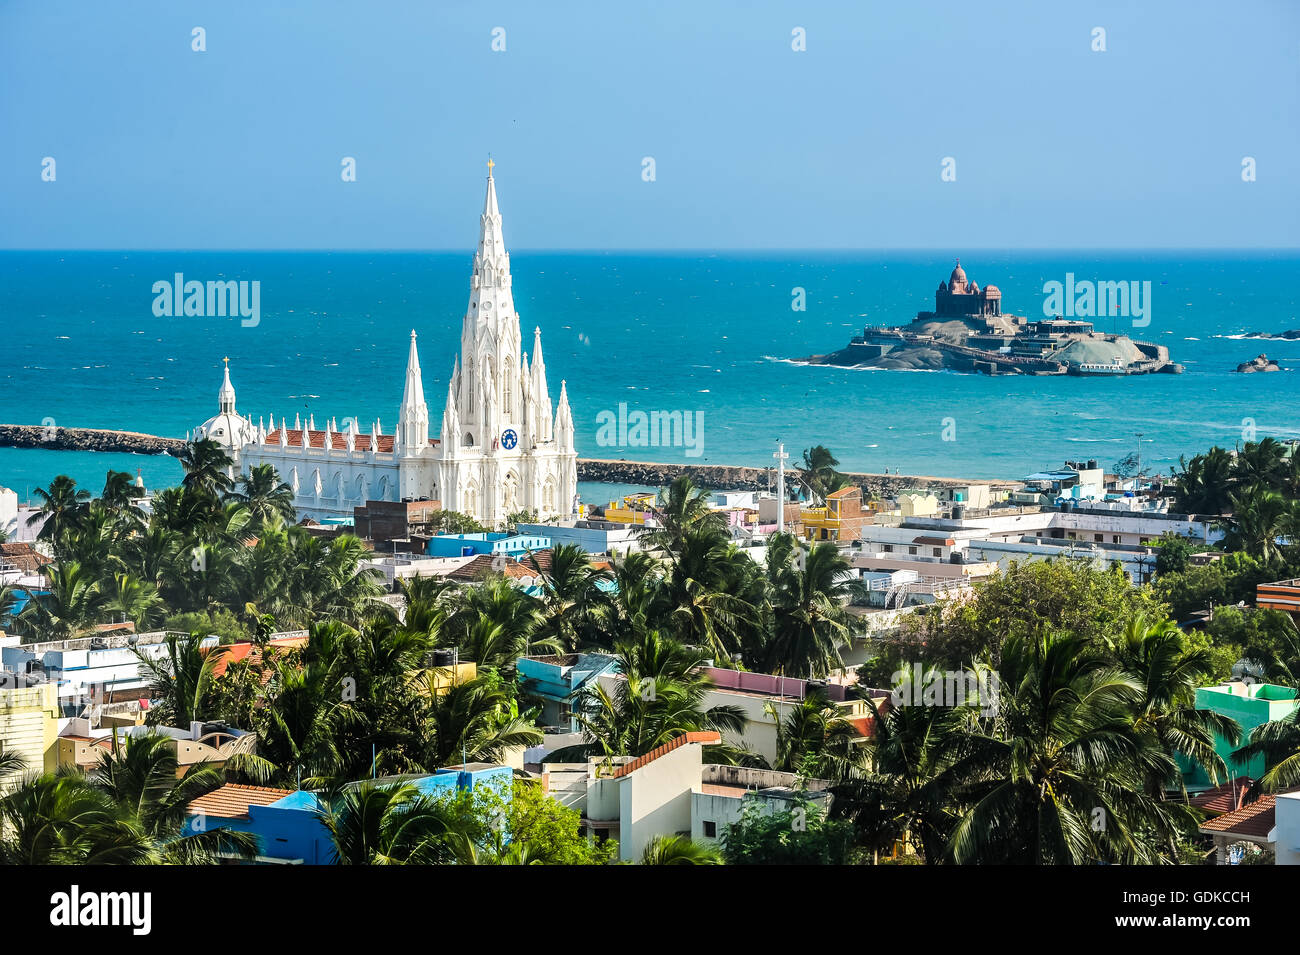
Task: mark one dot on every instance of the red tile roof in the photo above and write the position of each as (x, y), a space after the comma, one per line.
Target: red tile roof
(235, 652)
(1225, 797)
(338, 440)
(23, 556)
(232, 800)
(484, 565)
(705, 736)
(843, 492)
(1254, 819)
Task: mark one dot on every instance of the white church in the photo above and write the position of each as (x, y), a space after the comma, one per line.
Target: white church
(502, 448)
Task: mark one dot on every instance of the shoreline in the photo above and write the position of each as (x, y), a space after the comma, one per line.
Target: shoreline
(593, 470)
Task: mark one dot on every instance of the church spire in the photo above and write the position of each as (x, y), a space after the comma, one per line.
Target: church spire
(226, 396)
(491, 261)
(413, 415)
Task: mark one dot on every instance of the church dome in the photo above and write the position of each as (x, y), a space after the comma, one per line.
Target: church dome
(227, 427)
(231, 431)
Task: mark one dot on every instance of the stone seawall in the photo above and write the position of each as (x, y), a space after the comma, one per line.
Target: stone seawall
(605, 472)
(86, 439)
(753, 479)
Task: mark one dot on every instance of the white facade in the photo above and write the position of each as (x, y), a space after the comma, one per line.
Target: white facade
(502, 447)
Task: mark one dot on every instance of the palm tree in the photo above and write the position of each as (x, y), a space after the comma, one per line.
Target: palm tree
(54, 819)
(388, 824)
(180, 681)
(703, 605)
(677, 509)
(265, 496)
(8, 602)
(571, 595)
(1261, 462)
(679, 850)
(818, 473)
(1063, 776)
(119, 499)
(1278, 741)
(815, 740)
(207, 467)
(142, 776)
(661, 697)
(477, 720)
(910, 791)
(62, 506)
(72, 604)
(491, 646)
(134, 599)
(1259, 515)
(1205, 483)
(1168, 674)
(810, 620)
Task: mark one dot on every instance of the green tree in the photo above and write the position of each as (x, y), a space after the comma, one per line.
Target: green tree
(265, 496)
(62, 506)
(801, 835)
(679, 850)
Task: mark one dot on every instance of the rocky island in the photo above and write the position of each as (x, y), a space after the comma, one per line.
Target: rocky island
(968, 331)
(1259, 363)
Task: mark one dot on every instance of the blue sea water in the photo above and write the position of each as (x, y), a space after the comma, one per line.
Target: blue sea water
(704, 332)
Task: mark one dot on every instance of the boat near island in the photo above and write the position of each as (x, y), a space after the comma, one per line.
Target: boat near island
(968, 331)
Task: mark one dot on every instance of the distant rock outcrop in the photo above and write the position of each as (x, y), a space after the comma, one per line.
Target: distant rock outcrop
(1261, 363)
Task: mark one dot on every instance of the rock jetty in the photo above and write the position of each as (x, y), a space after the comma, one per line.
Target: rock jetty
(640, 473)
(52, 438)
(752, 479)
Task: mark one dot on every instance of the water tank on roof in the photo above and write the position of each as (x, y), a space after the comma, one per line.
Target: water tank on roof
(444, 658)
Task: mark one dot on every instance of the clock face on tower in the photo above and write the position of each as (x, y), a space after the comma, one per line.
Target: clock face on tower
(509, 439)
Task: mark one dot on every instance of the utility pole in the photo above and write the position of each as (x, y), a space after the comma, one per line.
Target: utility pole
(781, 457)
(1137, 487)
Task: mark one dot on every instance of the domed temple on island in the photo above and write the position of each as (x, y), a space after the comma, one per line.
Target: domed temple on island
(502, 447)
(958, 299)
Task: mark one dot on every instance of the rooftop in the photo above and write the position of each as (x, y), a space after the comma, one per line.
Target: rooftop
(232, 800)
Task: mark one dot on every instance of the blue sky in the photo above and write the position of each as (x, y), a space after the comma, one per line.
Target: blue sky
(755, 145)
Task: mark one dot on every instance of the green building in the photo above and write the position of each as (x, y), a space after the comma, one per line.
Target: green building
(1251, 705)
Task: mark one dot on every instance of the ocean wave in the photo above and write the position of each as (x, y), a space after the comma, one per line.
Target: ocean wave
(817, 364)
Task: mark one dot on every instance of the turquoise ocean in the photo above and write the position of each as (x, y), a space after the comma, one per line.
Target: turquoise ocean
(713, 333)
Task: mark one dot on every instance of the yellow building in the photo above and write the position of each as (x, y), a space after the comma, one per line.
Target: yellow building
(840, 520)
(29, 726)
(438, 680)
(634, 509)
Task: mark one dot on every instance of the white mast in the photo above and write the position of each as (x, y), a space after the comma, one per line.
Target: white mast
(780, 456)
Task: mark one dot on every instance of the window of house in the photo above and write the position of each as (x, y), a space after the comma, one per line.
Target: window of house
(911, 550)
(710, 830)
(1114, 538)
(938, 552)
(889, 548)
(1097, 538)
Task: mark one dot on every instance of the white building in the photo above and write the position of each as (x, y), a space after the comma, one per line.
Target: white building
(501, 448)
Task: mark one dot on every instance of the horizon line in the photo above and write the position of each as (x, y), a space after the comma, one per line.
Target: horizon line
(662, 250)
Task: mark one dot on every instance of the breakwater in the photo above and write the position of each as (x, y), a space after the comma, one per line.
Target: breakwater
(642, 473)
(752, 479)
(52, 438)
